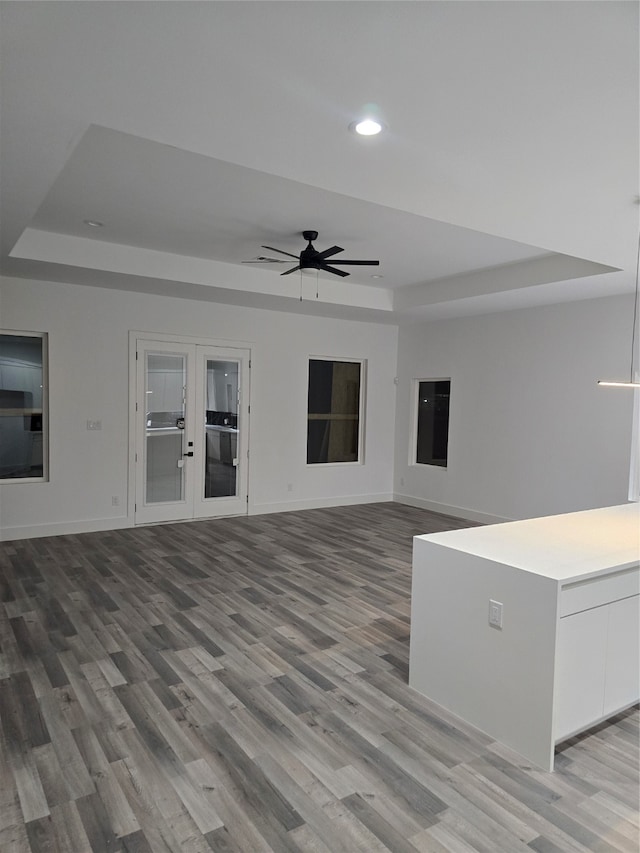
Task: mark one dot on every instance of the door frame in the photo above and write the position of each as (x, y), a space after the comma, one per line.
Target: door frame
(173, 509)
(177, 340)
(224, 505)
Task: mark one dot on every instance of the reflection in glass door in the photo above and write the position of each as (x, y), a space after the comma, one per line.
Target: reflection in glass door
(220, 454)
(222, 431)
(165, 388)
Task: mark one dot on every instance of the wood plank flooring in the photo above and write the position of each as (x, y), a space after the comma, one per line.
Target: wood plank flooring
(240, 685)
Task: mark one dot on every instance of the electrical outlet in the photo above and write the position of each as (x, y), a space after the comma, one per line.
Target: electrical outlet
(289, 487)
(495, 614)
(94, 424)
(115, 501)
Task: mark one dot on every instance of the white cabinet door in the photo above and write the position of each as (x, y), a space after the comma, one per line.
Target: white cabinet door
(580, 671)
(622, 685)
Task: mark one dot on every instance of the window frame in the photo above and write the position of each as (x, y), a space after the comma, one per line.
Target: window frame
(634, 462)
(415, 405)
(361, 409)
(44, 337)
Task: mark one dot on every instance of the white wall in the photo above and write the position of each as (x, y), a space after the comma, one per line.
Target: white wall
(530, 431)
(89, 375)
(530, 434)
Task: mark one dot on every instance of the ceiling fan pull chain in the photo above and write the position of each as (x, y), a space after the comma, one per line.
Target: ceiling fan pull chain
(317, 276)
(300, 285)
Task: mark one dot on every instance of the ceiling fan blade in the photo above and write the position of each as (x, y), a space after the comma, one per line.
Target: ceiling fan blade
(332, 251)
(356, 263)
(293, 269)
(271, 249)
(265, 261)
(327, 268)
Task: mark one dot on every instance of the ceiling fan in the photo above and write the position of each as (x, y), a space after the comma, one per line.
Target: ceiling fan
(311, 259)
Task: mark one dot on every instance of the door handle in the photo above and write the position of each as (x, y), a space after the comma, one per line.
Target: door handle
(190, 453)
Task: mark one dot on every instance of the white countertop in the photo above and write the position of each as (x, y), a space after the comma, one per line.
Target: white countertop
(565, 547)
(176, 430)
(151, 431)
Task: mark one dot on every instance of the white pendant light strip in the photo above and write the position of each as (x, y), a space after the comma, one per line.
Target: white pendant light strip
(631, 383)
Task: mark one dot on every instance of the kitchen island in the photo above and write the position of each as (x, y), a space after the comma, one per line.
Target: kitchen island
(222, 442)
(164, 449)
(563, 651)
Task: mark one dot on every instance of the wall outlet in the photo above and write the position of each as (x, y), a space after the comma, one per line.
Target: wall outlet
(495, 614)
(94, 424)
(402, 481)
(289, 487)
(115, 500)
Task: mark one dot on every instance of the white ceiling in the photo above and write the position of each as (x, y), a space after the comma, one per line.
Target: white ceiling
(199, 132)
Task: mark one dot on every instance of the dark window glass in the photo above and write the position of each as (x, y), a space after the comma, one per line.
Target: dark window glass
(433, 422)
(22, 396)
(333, 411)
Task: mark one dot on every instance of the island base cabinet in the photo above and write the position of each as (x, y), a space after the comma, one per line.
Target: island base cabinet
(580, 671)
(596, 665)
(622, 678)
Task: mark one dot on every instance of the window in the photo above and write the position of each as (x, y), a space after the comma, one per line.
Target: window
(23, 429)
(333, 411)
(432, 426)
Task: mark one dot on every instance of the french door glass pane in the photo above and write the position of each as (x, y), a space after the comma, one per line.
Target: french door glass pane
(165, 396)
(221, 429)
(22, 397)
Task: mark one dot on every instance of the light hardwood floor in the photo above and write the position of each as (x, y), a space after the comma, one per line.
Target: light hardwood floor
(241, 685)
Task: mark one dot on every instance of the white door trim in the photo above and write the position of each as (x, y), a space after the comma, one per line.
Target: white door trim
(243, 350)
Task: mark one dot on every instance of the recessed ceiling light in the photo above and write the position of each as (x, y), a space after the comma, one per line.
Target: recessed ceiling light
(93, 223)
(367, 127)
(377, 276)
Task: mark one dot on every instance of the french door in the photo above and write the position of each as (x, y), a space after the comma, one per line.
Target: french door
(191, 429)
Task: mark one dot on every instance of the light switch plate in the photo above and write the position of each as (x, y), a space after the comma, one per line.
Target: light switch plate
(495, 614)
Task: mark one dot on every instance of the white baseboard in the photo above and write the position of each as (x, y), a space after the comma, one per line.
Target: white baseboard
(445, 509)
(36, 531)
(318, 503)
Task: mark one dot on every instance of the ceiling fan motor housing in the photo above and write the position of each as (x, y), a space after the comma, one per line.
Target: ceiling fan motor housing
(308, 256)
